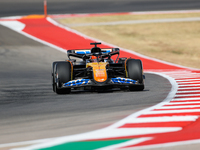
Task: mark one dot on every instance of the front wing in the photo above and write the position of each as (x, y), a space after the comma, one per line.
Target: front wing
(88, 82)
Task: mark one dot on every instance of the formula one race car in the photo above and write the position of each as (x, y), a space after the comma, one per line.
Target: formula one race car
(94, 69)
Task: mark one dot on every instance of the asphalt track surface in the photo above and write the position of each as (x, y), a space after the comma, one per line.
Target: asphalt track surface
(30, 110)
(28, 107)
(26, 7)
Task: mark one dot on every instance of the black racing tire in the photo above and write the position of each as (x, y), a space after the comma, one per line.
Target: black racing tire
(53, 74)
(62, 74)
(135, 72)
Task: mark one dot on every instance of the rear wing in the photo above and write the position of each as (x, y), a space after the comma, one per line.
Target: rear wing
(88, 51)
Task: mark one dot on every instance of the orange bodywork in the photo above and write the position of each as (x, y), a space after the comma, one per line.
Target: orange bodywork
(99, 71)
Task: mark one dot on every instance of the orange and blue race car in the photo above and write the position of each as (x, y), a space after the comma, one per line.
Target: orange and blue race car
(94, 69)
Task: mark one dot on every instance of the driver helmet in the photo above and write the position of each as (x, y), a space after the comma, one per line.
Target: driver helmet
(93, 58)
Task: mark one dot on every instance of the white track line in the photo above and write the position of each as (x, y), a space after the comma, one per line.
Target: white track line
(184, 76)
(186, 80)
(182, 73)
(179, 103)
(172, 111)
(173, 107)
(163, 119)
(14, 25)
(185, 99)
(189, 88)
(136, 22)
(185, 95)
(190, 85)
(24, 143)
(188, 91)
(131, 13)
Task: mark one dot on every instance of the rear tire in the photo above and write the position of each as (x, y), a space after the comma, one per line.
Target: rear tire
(62, 74)
(134, 71)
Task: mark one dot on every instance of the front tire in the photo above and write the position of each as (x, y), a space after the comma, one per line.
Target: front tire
(62, 75)
(134, 71)
(53, 74)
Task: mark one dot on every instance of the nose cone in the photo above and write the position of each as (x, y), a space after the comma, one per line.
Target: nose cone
(100, 75)
(99, 71)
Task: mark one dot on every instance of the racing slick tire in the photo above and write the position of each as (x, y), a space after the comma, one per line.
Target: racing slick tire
(62, 74)
(134, 71)
(53, 74)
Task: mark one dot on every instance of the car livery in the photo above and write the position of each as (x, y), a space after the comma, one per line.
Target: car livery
(95, 69)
